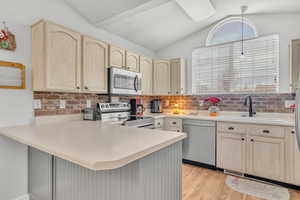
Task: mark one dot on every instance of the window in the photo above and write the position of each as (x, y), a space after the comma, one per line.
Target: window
(229, 30)
(221, 69)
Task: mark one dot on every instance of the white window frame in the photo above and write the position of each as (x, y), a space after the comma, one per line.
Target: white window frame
(222, 23)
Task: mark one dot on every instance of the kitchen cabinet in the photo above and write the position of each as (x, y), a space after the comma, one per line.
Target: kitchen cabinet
(293, 157)
(257, 150)
(231, 152)
(117, 57)
(132, 61)
(173, 124)
(295, 63)
(146, 69)
(177, 76)
(266, 157)
(161, 77)
(159, 124)
(95, 63)
(56, 58)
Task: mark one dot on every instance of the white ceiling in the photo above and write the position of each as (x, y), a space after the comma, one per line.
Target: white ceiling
(156, 24)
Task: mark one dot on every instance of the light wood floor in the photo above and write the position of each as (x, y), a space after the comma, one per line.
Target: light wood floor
(205, 184)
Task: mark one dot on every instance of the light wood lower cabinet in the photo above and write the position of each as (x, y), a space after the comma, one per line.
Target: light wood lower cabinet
(161, 77)
(146, 69)
(231, 152)
(266, 157)
(56, 58)
(252, 149)
(293, 157)
(95, 63)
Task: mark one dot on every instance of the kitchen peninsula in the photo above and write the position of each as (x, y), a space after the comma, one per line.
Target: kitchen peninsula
(77, 160)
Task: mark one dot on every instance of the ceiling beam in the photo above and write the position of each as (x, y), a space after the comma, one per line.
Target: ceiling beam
(142, 8)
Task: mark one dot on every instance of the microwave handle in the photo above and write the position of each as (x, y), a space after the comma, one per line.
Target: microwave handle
(135, 83)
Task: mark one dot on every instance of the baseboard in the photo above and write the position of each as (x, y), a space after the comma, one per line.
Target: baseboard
(203, 165)
(23, 197)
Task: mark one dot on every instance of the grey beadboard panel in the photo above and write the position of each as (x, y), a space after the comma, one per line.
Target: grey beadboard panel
(155, 177)
(40, 175)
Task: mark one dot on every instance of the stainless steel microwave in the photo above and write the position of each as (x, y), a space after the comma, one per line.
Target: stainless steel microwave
(124, 82)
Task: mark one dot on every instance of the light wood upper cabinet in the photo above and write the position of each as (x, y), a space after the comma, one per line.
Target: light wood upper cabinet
(56, 58)
(146, 69)
(117, 57)
(95, 63)
(132, 61)
(295, 63)
(266, 157)
(231, 150)
(177, 76)
(161, 77)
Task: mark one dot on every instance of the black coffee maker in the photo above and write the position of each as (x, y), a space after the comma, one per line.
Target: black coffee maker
(156, 106)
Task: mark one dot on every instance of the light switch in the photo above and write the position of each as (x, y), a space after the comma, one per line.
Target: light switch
(88, 103)
(62, 104)
(37, 104)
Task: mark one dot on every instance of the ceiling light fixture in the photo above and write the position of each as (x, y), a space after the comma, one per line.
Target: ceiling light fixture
(243, 10)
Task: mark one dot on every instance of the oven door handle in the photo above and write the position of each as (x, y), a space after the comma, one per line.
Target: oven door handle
(135, 83)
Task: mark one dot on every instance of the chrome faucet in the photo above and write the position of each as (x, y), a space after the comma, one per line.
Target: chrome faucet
(248, 101)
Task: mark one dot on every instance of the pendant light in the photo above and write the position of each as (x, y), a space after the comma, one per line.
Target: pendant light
(243, 10)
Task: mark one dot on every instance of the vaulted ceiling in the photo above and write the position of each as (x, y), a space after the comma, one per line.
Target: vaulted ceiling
(156, 24)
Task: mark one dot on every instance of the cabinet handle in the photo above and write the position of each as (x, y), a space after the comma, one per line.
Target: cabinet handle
(252, 140)
(86, 88)
(266, 131)
(243, 139)
(292, 132)
(174, 123)
(77, 87)
(231, 128)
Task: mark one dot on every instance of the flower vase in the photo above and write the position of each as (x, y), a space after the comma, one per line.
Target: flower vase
(213, 111)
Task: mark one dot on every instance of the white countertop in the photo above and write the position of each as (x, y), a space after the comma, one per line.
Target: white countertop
(276, 119)
(94, 145)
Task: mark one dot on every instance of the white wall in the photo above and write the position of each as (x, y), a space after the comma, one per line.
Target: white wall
(286, 25)
(16, 106)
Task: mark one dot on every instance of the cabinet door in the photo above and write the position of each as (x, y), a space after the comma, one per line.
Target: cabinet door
(95, 62)
(231, 152)
(146, 69)
(162, 84)
(266, 157)
(295, 63)
(132, 61)
(117, 57)
(175, 76)
(294, 158)
(63, 59)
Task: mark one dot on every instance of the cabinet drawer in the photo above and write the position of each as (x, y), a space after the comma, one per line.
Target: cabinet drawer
(267, 131)
(231, 128)
(173, 123)
(159, 123)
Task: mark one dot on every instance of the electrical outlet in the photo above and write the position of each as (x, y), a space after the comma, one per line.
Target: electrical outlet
(167, 103)
(37, 104)
(88, 103)
(62, 104)
(289, 103)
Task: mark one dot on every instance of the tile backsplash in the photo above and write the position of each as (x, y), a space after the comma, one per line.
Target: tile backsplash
(76, 102)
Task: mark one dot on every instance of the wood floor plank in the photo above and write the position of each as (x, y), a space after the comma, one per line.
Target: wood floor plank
(205, 184)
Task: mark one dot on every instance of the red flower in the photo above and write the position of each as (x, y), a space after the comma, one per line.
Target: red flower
(213, 100)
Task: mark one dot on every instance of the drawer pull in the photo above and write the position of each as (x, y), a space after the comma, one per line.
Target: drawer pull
(231, 128)
(252, 140)
(292, 132)
(243, 139)
(174, 123)
(266, 131)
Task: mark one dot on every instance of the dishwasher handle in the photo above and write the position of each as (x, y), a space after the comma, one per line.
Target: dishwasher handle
(199, 123)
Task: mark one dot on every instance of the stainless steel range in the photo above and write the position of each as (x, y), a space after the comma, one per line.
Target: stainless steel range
(120, 113)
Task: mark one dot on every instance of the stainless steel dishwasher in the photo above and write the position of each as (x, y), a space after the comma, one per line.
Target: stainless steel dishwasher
(200, 144)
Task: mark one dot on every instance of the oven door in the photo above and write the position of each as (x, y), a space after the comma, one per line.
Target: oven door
(124, 82)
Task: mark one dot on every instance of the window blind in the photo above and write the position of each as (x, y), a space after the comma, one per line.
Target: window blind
(221, 69)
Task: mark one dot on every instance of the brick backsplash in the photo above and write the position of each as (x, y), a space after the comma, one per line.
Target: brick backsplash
(229, 102)
(76, 102)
